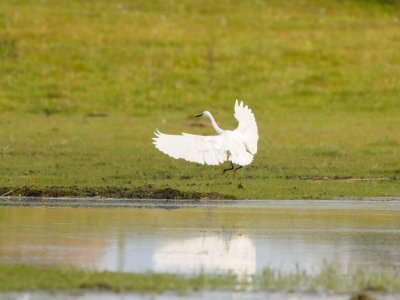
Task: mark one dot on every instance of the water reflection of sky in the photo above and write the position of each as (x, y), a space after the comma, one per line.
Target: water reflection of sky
(107, 243)
(240, 254)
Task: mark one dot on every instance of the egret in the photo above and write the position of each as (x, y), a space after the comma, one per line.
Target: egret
(237, 146)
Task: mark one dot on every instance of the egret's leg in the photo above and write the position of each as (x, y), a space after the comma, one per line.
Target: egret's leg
(228, 169)
(234, 171)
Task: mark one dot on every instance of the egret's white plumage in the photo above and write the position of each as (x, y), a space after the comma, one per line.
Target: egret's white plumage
(238, 146)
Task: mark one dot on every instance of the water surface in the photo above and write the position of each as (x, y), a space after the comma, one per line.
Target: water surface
(241, 239)
(203, 295)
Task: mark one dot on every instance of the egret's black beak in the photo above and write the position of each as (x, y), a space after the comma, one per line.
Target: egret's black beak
(198, 115)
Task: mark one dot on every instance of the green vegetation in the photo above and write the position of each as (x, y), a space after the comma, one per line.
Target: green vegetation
(25, 277)
(83, 85)
(331, 279)
(28, 277)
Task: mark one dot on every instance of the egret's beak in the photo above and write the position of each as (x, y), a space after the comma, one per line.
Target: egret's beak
(198, 115)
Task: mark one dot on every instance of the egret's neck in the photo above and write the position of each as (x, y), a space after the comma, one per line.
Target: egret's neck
(214, 124)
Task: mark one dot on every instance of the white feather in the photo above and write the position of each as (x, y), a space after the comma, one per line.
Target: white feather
(193, 148)
(247, 126)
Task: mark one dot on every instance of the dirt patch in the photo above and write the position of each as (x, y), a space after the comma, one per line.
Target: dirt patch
(143, 192)
(361, 296)
(96, 286)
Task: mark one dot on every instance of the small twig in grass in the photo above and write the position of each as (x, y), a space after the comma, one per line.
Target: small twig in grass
(7, 193)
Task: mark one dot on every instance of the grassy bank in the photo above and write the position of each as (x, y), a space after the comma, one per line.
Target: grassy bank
(77, 154)
(84, 85)
(27, 277)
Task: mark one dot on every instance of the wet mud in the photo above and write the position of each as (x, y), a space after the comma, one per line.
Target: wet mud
(143, 192)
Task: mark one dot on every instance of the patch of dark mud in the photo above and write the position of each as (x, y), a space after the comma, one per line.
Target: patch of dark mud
(102, 286)
(361, 296)
(96, 115)
(143, 192)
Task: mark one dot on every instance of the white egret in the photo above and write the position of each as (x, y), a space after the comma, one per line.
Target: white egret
(237, 146)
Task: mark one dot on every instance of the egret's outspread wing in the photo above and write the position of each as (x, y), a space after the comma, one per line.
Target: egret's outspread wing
(194, 148)
(247, 126)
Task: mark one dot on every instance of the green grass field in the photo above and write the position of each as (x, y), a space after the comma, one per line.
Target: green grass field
(330, 279)
(83, 85)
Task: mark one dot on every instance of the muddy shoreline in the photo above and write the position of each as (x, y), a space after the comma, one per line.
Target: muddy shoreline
(387, 204)
(142, 192)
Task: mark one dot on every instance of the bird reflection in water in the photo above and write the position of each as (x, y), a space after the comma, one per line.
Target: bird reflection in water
(214, 254)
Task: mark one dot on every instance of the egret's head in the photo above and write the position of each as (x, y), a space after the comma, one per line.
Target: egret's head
(204, 114)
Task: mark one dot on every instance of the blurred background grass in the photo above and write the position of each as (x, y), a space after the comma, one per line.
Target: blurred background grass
(84, 84)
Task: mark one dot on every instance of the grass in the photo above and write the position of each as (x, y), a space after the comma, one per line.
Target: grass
(84, 85)
(25, 277)
(29, 277)
(331, 279)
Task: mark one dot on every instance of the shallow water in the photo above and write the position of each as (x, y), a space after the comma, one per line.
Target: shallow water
(239, 239)
(192, 295)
